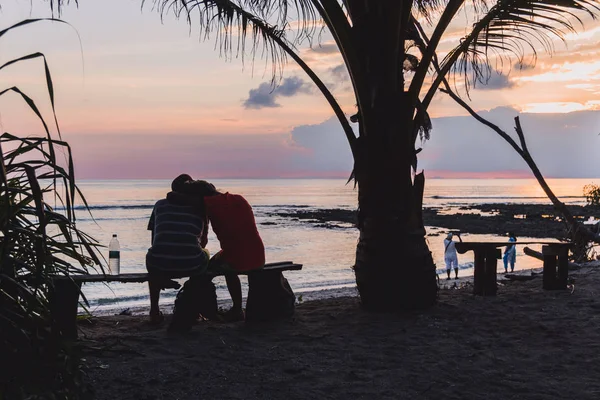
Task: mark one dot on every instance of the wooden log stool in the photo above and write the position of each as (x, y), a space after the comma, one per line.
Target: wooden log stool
(556, 270)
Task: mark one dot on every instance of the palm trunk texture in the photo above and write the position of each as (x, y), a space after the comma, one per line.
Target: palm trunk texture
(394, 268)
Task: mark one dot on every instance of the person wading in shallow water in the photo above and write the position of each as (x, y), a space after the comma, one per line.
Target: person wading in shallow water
(450, 256)
(510, 253)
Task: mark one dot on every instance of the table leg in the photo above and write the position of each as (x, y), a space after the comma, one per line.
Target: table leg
(491, 265)
(563, 268)
(479, 272)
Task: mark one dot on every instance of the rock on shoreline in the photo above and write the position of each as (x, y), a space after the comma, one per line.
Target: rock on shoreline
(531, 220)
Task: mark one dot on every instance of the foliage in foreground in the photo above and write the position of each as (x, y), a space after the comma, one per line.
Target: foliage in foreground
(38, 239)
(592, 194)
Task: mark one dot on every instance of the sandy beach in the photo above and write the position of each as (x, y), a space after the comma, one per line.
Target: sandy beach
(525, 343)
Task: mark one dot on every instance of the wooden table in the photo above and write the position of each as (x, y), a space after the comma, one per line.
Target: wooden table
(487, 254)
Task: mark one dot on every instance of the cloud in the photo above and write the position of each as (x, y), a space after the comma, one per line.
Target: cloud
(523, 66)
(317, 150)
(579, 71)
(341, 79)
(563, 145)
(340, 72)
(323, 146)
(261, 97)
(292, 86)
(325, 48)
(264, 96)
(496, 81)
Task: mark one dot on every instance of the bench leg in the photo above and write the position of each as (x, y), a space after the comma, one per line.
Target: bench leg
(563, 268)
(479, 273)
(549, 272)
(484, 276)
(491, 265)
(64, 299)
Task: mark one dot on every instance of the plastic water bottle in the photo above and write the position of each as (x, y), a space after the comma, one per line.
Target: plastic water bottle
(114, 256)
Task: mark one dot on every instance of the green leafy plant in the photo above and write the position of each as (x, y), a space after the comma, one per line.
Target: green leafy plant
(592, 194)
(39, 239)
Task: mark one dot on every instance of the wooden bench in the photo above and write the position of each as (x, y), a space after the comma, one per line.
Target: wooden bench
(487, 254)
(64, 296)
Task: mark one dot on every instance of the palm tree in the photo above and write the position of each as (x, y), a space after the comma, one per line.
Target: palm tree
(388, 55)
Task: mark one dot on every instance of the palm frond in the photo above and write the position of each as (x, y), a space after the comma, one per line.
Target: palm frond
(247, 25)
(512, 29)
(428, 8)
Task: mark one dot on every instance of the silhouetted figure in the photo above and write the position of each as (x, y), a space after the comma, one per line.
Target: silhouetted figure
(242, 249)
(450, 256)
(510, 254)
(177, 224)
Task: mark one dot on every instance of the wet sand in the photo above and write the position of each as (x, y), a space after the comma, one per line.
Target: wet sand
(525, 343)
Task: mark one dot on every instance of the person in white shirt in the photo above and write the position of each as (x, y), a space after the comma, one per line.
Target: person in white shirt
(450, 256)
(510, 253)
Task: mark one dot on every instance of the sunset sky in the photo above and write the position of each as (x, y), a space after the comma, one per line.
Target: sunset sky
(138, 98)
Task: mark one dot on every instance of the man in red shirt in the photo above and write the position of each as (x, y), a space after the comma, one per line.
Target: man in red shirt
(242, 249)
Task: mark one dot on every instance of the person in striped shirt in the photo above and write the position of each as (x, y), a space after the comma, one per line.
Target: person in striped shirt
(177, 224)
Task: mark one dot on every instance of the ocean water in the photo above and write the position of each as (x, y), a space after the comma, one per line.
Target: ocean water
(123, 207)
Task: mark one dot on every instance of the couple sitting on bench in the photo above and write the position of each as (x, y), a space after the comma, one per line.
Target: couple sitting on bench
(179, 225)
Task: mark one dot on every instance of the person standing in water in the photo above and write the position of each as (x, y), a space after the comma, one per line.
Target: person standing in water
(510, 253)
(450, 256)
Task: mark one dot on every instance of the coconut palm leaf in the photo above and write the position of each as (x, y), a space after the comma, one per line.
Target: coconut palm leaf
(232, 23)
(508, 30)
(229, 19)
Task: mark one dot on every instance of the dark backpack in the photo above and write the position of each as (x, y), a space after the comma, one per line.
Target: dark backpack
(198, 296)
(270, 297)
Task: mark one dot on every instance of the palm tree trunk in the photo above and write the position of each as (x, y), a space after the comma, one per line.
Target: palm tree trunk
(394, 268)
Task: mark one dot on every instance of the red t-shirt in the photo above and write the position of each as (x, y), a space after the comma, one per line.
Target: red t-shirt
(232, 220)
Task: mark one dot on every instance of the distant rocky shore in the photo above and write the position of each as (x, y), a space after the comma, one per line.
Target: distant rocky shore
(532, 220)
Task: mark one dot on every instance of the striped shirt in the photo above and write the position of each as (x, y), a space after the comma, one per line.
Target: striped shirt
(177, 227)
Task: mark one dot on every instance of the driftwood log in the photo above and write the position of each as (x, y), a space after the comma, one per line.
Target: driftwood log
(572, 266)
(515, 277)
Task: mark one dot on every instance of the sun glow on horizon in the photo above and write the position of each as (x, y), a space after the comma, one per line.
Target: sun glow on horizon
(559, 107)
